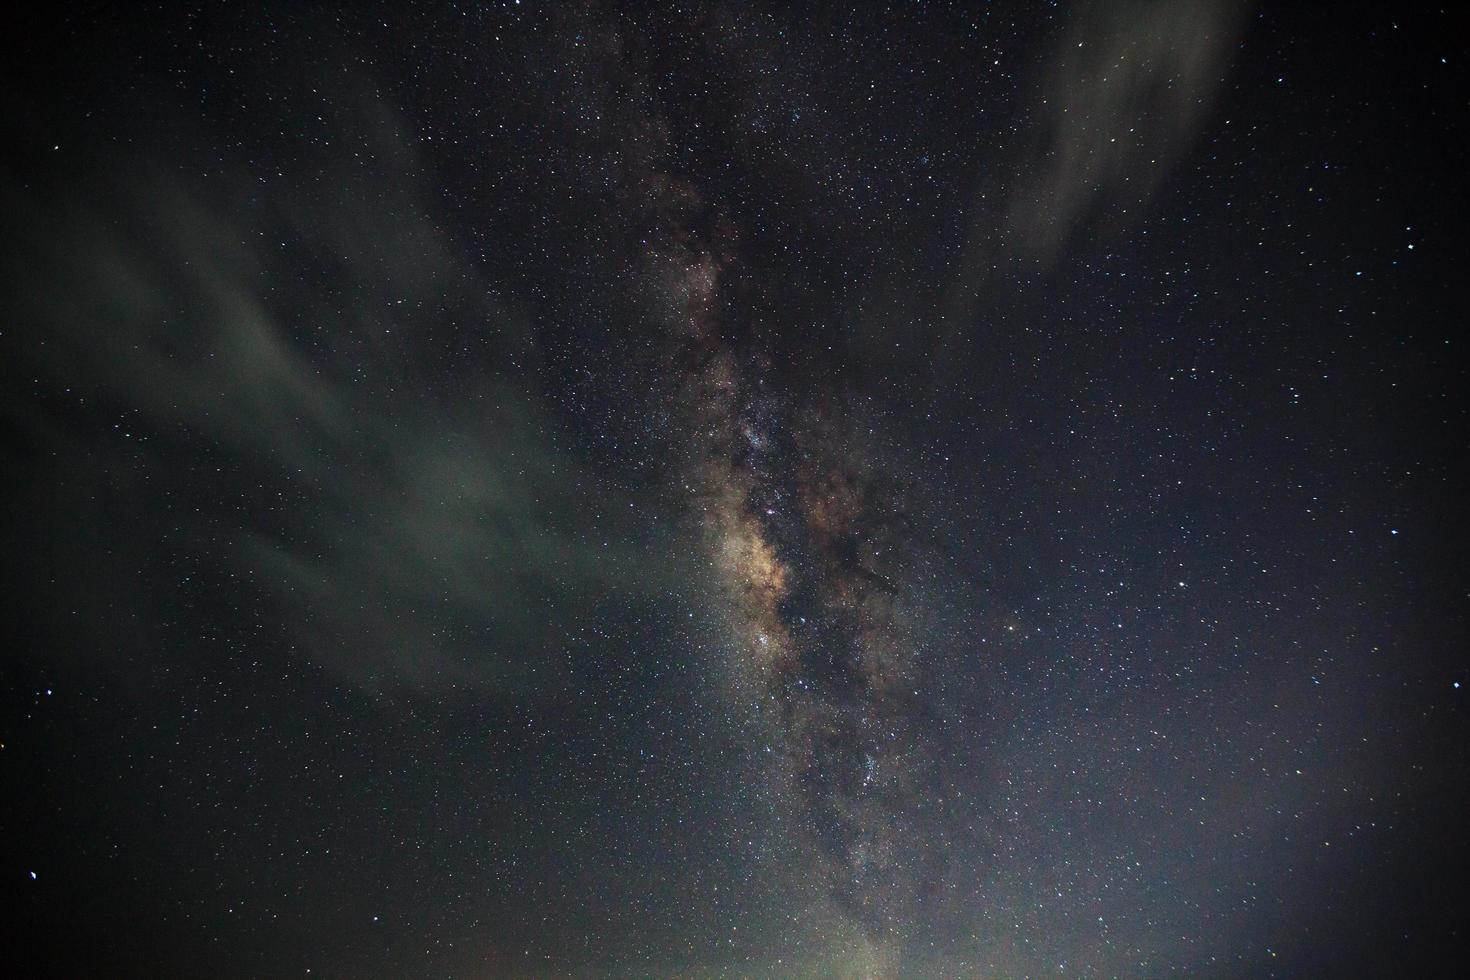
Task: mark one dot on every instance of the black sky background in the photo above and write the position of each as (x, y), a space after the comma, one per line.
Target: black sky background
(361, 619)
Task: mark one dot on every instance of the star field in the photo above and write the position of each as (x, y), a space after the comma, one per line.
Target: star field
(729, 490)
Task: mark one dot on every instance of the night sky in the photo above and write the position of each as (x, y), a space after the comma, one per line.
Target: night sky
(734, 490)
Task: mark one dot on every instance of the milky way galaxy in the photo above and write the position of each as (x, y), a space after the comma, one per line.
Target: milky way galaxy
(808, 534)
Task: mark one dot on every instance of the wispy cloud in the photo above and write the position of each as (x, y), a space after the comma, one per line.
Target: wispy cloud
(391, 478)
(1124, 94)
(1114, 107)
